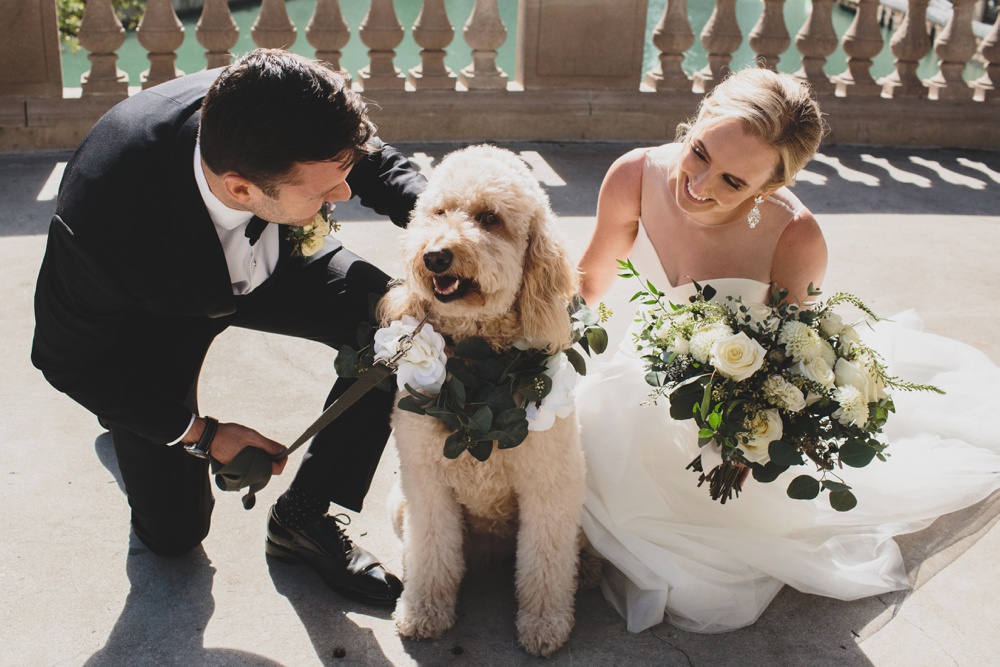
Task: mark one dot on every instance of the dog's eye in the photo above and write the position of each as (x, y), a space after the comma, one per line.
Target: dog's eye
(440, 211)
(487, 218)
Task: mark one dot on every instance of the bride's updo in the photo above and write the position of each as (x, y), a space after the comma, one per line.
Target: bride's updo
(776, 108)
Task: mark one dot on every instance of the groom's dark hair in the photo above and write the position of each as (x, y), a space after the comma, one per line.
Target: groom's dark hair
(271, 109)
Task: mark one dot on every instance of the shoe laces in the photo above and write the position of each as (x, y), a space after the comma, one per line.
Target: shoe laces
(339, 520)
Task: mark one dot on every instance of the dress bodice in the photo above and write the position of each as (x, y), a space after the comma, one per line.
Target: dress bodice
(647, 263)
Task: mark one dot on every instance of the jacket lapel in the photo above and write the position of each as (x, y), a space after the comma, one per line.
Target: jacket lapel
(190, 237)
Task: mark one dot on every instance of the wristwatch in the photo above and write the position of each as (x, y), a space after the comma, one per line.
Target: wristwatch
(200, 448)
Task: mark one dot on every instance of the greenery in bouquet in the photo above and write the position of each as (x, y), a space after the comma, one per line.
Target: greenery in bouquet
(486, 398)
(770, 386)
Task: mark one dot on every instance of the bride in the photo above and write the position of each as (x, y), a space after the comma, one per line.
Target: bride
(714, 208)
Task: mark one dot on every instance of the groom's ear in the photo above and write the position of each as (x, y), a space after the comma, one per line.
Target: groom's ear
(238, 188)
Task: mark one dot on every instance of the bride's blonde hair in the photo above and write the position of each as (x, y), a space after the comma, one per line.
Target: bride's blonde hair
(776, 108)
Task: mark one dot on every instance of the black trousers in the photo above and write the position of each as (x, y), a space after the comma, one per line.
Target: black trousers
(323, 298)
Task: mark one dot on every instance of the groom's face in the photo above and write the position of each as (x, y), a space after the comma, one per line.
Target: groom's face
(309, 186)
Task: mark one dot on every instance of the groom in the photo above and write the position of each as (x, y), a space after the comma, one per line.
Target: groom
(153, 252)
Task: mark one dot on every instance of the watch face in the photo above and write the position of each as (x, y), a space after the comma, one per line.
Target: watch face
(194, 451)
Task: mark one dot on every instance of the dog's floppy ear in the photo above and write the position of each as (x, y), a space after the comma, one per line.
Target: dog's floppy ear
(550, 281)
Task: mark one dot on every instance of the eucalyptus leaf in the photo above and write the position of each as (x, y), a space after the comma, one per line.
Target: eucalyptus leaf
(598, 339)
(803, 487)
(454, 388)
(454, 445)
(767, 472)
(785, 453)
(535, 388)
(410, 404)
(482, 449)
(843, 501)
(514, 435)
(684, 398)
(459, 369)
(449, 418)
(474, 348)
(481, 422)
(509, 418)
(345, 363)
(831, 485)
(856, 454)
(577, 360)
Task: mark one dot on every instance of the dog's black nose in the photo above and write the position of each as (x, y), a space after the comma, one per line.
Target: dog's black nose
(438, 261)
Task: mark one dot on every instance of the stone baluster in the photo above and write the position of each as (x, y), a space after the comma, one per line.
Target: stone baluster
(816, 41)
(432, 32)
(328, 33)
(485, 33)
(862, 42)
(955, 46)
(102, 34)
(381, 32)
(672, 36)
(161, 33)
(720, 37)
(217, 32)
(769, 38)
(909, 44)
(272, 29)
(990, 82)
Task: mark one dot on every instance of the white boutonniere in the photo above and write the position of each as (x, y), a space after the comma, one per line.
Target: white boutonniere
(309, 238)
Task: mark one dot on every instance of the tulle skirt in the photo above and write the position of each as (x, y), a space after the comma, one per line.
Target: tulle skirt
(678, 555)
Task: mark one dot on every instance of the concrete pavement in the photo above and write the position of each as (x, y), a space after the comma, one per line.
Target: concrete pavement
(906, 228)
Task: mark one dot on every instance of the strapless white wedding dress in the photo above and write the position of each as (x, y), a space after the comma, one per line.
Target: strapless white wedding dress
(677, 555)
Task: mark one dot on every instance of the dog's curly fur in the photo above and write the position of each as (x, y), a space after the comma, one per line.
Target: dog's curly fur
(482, 260)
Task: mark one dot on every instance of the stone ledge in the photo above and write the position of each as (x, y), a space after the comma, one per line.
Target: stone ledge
(568, 115)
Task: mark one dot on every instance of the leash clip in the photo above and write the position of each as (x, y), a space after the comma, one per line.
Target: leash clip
(403, 345)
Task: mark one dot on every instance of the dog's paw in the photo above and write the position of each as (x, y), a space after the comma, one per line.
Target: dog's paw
(543, 635)
(422, 621)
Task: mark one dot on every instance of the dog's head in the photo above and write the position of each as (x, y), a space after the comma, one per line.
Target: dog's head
(480, 248)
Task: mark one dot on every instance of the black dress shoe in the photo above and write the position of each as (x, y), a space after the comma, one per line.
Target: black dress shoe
(343, 565)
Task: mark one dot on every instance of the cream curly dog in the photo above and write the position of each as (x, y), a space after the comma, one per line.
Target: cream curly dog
(481, 260)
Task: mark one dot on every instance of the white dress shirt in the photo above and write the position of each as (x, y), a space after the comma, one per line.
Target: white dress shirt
(249, 265)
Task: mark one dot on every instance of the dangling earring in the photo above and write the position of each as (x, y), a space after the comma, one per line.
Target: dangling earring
(753, 217)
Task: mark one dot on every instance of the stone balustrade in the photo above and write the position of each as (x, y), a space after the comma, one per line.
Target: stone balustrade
(578, 73)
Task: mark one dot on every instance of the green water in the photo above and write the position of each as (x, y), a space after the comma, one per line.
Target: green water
(191, 58)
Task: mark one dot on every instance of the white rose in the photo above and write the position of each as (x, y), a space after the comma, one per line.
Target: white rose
(702, 342)
(849, 340)
(830, 324)
(311, 244)
(320, 227)
(784, 394)
(853, 406)
(762, 316)
(423, 365)
(765, 428)
(737, 357)
(817, 370)
(558, 403)
(680, 345)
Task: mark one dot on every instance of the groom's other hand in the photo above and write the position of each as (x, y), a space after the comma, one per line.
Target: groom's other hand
(231, 439)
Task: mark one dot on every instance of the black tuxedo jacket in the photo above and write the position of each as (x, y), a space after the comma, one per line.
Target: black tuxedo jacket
(131, 238)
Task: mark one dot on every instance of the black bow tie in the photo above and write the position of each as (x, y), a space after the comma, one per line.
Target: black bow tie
(254, 229)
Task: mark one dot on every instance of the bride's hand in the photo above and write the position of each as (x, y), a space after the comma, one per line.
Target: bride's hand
(231, 439)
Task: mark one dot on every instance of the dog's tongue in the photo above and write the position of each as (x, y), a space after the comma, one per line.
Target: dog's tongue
(445, 284)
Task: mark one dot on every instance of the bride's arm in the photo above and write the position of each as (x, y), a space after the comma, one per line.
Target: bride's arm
(800, 257)
(617, 225)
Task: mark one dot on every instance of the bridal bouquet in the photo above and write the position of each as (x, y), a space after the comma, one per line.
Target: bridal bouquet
(770, 386)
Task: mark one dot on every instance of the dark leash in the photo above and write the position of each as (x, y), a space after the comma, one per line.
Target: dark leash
(251, 468)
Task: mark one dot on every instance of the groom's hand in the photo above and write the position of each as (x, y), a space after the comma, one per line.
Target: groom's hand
(231, 439)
